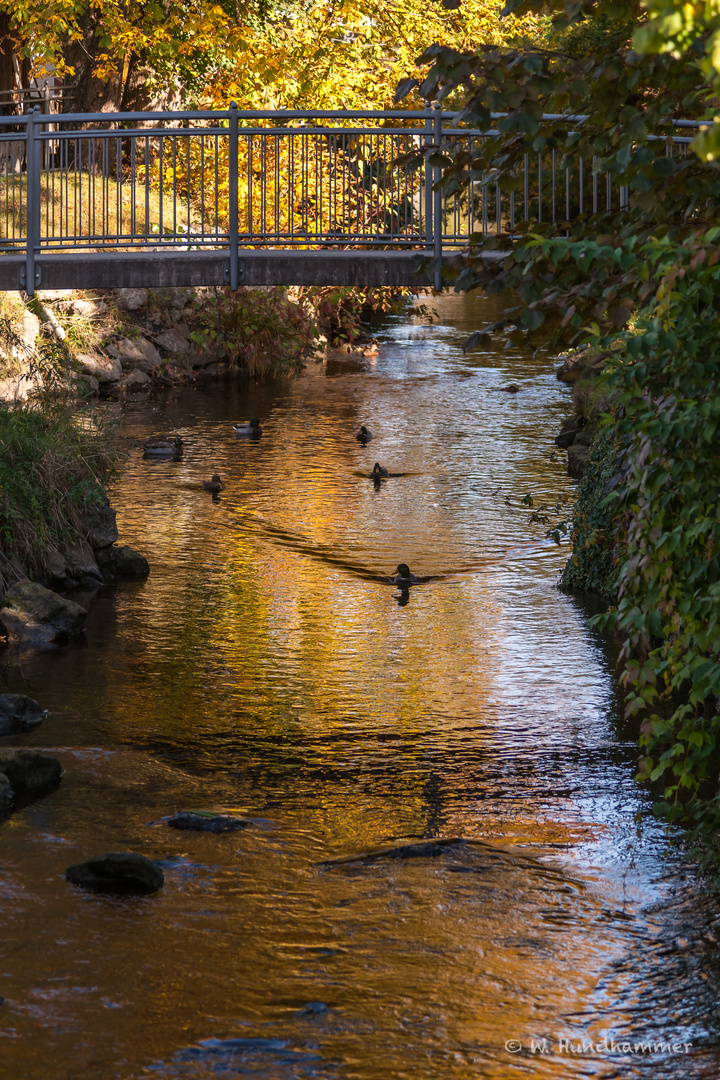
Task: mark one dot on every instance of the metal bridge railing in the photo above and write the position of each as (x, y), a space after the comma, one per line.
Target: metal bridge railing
(232, 180)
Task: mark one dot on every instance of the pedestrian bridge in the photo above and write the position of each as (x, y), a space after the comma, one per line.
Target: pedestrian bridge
(114, 200)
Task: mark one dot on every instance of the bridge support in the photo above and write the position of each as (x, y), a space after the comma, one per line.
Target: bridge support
(168, 269)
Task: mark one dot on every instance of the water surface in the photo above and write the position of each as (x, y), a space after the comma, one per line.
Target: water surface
(267, 667)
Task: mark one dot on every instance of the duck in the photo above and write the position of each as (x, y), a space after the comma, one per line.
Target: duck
(403, 576)
(253, 429)
(164, 448)
(379, 472)
(363, 435)
(214, 484)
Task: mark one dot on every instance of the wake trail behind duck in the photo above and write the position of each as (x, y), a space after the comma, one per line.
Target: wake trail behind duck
(293, 540)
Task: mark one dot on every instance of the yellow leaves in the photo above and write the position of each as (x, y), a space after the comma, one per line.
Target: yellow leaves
(354, 53)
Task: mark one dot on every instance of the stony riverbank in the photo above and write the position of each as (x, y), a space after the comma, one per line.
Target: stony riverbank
(111, 343)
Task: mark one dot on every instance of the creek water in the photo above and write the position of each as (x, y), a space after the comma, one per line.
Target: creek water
(268, 668)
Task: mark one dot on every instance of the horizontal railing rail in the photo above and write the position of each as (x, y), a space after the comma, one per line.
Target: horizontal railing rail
(237, 180)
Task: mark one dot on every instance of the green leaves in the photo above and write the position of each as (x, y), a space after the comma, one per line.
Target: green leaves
(643, 285)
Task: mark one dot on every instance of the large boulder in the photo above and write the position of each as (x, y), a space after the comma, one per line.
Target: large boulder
(87, 309)
(132, 299)
(586, 437)
(26, 332)
(31, 614)
(19, 714)
(19, 387)
(136, 380)
(121, 561)
(29, 770)
(52, 296)
(174, 341)
(100, 526)
(568, 432)
(106, 369)
(81, 560)
(117, 872)
(136, 353)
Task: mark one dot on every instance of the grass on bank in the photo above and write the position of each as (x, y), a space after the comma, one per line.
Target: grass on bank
(54, 460)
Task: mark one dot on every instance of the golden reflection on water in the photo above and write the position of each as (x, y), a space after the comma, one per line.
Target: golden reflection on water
(269, 668)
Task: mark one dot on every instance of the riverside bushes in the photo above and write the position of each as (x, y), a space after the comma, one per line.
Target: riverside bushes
(666, 383)
(53, 462)
(258, 329)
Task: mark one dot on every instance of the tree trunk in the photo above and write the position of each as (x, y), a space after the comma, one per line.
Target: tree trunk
(91, 94)
(8, 48)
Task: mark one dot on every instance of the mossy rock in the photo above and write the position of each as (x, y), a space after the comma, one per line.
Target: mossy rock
(33, 615)
(120, 561)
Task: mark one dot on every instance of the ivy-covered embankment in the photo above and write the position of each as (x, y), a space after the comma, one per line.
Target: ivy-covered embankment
(647, 531)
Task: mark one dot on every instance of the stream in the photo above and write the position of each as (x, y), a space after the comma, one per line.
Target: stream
(268, 668)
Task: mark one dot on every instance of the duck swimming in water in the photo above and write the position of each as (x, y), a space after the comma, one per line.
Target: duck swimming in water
(379, 472)
(253, 429)
(403, 577)
(215, 484)
(364, 436)
(171, 451)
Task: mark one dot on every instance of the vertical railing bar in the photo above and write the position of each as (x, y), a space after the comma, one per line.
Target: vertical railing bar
(77, 188)
(93, 186)
(161, 189)
(263, 185)
(249, 141)
(291, 185)
(51, 190)
(375, 175)
(118, 188)
(437, 204)
(428, 179)
(277, 187)
(540, 187)
(201, 139)
(233, 181)
(32, 200)
(187, 184)
(318, 188)
(147, 188)
(133, 165)
(216, 208)
(174, 189)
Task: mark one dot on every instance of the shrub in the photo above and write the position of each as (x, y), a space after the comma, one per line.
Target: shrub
(259, 329)
(53, 463)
